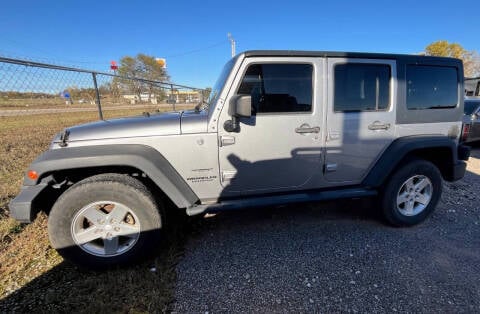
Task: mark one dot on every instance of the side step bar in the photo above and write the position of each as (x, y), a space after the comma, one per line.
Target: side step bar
(262, 201)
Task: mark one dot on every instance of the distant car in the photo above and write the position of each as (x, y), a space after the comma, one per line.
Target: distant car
(471, 121)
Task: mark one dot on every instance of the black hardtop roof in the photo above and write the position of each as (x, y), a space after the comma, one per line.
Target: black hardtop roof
(365, 55)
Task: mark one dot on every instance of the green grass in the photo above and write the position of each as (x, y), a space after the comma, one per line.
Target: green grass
(33, 275)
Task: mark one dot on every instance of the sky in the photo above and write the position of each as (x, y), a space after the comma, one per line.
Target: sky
(192, 35)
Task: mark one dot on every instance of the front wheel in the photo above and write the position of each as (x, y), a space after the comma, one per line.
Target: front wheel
(105, 221)
(412, 193)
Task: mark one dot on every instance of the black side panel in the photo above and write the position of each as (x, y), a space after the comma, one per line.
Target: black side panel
(142, 157)
(463, 152)
(287, 198)
(21, 206)
(399, 148)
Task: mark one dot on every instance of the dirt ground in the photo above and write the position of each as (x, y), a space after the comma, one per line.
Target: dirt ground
(322, 257)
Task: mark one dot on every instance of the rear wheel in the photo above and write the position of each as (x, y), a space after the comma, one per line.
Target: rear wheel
(104, 221)
(412, 193)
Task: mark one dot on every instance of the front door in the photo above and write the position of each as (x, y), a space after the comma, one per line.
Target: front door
(279, 147)
(360, 116)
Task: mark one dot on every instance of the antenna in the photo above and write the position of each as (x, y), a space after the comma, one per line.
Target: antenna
(232, 43)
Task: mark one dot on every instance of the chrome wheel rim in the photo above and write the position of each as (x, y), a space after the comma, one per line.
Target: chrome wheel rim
(105, 228)
(414, 195)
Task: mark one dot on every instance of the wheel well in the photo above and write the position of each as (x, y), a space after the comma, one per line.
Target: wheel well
(441, 157)
(65, 178)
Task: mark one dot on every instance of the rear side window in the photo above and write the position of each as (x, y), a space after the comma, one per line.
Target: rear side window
(431, 87)
(277, 88)
(361, 87)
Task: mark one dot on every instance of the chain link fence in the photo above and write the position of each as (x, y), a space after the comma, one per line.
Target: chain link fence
(28, 87)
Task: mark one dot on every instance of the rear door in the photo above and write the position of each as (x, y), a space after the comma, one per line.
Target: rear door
(360, 116)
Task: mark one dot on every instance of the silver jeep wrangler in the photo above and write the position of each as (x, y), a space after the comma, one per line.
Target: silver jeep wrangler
(279, 127)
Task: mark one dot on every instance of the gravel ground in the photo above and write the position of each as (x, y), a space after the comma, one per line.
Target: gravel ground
(337, 256)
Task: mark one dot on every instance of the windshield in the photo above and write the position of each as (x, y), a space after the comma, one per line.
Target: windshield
(470, 107)
(217, 88)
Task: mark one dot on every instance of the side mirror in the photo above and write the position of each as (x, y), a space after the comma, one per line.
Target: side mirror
(240, 107)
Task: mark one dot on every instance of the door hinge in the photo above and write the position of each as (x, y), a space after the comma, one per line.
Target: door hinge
(226, 140)
(331, 167)
(228, 175)
(333, 135)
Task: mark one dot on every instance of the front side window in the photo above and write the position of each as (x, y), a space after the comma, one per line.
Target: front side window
(431, 87)
(277, 88)
(361, 87)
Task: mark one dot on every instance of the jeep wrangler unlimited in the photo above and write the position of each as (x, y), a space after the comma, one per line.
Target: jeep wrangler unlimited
(279, 127)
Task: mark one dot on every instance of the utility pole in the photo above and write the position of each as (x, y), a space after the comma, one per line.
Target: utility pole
(232, 44)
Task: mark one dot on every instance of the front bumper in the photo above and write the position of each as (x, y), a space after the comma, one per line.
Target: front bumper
(21, 207)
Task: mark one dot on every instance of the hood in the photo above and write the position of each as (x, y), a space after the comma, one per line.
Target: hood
(146, 125)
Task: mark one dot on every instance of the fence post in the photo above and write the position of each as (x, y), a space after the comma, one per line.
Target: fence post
(173, 100)
(99, 106)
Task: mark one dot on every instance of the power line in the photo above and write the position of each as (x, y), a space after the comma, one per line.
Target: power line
(57, 61)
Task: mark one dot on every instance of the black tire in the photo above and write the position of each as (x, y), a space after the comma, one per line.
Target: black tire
(399, 215)
(130, 196)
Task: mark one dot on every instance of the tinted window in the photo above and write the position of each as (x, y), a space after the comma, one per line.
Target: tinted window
(431, 87)
(360, 87)
(279, 87)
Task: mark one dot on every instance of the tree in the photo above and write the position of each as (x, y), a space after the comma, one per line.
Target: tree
(471, 59)
(142, 67)
(76, 93)
(206, 93)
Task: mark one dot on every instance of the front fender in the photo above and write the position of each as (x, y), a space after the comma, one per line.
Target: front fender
(142, 157)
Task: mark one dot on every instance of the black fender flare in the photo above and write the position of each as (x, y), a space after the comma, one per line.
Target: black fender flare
(144, 158)
(400, 148)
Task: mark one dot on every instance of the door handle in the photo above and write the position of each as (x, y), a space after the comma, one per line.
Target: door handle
(305, 128)
(377, 125)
